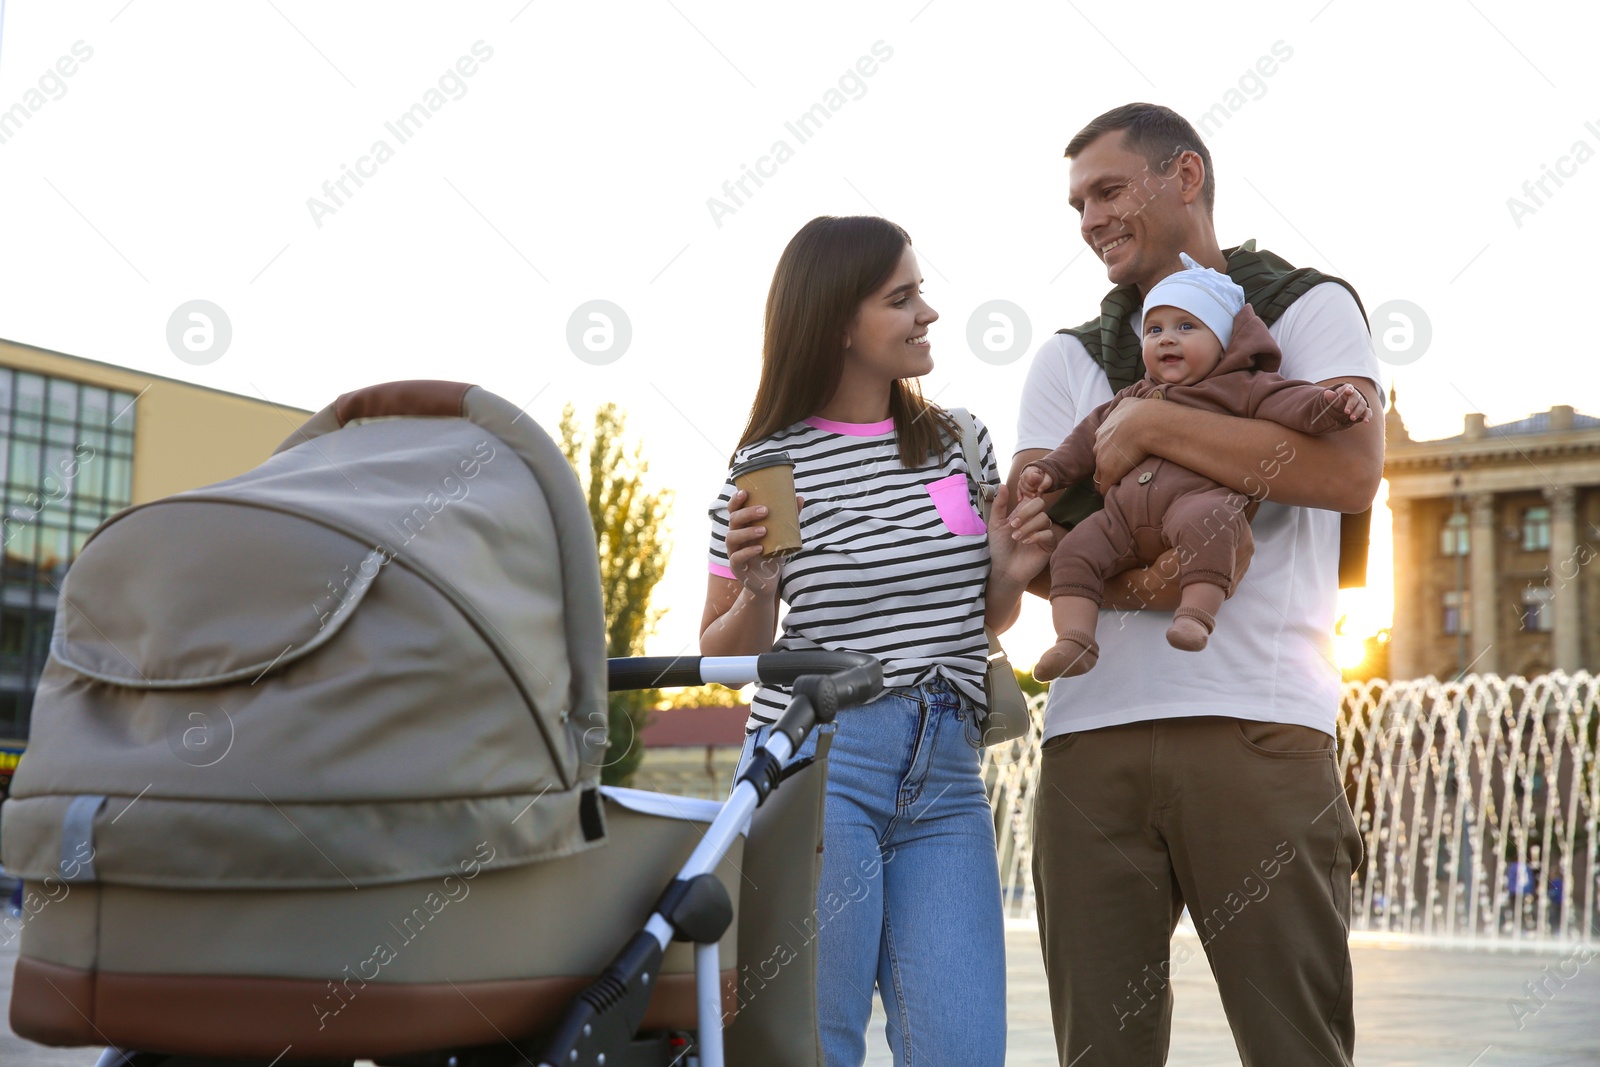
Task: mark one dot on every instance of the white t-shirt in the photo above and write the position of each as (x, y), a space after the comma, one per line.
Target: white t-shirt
(893, 561)
(1271, 657)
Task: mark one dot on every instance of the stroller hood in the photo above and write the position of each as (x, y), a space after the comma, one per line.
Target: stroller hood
(378, 651)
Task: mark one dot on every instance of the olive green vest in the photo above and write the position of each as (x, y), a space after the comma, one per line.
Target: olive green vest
(1270, 285)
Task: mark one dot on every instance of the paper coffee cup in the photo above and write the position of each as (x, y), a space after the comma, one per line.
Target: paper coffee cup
(768, 478)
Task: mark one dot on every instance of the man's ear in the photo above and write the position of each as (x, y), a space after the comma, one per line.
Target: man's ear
(1191, 176)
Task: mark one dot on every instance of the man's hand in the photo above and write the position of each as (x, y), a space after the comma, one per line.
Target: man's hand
(1117, 447)
(1336, 471)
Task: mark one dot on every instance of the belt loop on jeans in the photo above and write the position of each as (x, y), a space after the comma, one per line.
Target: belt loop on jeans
(937, 684)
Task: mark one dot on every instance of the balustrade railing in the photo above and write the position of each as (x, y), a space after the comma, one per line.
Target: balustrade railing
(1478, 802)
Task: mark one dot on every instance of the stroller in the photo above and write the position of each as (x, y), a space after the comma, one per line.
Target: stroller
(314, 777)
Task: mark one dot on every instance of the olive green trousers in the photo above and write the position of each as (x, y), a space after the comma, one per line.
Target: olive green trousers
(1246, 824)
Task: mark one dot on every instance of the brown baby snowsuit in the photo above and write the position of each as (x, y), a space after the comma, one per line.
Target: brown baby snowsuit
(1160, 505)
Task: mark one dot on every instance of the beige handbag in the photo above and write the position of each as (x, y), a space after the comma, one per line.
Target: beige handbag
(1008, 716)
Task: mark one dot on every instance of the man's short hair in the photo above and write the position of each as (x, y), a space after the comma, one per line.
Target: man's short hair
(1159, 133)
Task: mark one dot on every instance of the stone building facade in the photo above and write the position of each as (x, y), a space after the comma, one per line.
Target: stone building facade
(1496, 536)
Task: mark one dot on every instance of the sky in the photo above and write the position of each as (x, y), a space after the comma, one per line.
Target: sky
(506, 165)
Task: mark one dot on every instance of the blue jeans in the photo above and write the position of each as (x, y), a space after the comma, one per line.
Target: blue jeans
(909, 897)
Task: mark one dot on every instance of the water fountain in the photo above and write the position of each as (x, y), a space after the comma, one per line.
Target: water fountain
(1478, 802)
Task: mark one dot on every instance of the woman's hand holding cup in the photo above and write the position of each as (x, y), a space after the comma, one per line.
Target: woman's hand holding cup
(757, 573)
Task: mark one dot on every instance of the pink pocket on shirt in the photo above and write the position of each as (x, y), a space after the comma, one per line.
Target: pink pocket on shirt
(954, 501)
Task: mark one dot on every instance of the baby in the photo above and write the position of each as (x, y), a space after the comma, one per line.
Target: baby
(1204, 347)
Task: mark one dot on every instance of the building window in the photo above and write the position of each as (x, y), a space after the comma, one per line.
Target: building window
(1535, 529)
(1458, 612)
(1536, 615)
(66, 460)
(1454, 539)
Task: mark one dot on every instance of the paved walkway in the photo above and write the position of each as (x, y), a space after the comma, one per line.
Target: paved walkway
(1415, 1007)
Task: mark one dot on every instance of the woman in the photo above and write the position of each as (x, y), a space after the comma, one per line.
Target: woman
(896, 563)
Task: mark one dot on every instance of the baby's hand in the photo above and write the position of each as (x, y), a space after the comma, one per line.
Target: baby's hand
(1033, 482)
(1349, 397)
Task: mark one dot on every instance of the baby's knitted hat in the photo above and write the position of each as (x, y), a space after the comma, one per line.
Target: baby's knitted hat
(1208, 295)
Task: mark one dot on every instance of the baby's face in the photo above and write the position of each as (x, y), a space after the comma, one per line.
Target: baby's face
(1179, 349)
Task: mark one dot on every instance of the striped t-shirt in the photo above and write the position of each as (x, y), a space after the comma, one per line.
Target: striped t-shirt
(893, 561)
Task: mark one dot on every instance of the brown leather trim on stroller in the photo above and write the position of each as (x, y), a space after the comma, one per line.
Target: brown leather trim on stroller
(259, 1017)
(419, 397)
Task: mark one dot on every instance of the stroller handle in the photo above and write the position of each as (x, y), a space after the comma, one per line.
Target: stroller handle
(604, 1018)
(857, 678)
(421, 398)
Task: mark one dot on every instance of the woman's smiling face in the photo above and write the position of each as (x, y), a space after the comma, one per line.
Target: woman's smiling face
(888, 339)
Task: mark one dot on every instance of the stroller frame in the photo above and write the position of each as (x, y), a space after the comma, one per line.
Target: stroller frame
(600, 1027)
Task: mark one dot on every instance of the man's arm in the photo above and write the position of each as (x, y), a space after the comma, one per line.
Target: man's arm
(1338, 472)
(1324, 339)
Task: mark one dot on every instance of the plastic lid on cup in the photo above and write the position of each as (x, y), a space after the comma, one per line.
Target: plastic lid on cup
(760, 461)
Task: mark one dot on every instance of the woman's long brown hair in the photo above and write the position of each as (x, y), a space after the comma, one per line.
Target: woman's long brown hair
(824, 274)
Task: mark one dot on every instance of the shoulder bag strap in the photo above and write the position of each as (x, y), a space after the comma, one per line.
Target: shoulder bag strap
(984, 491)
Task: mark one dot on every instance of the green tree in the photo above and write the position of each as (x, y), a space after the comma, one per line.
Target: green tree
(631, 535)
(702, 696)
(1030, 686)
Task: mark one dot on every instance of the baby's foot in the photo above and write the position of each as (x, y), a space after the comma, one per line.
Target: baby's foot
(1074, 653)
(1190, 629)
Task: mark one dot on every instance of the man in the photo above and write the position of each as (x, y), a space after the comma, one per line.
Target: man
(1206, 779)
